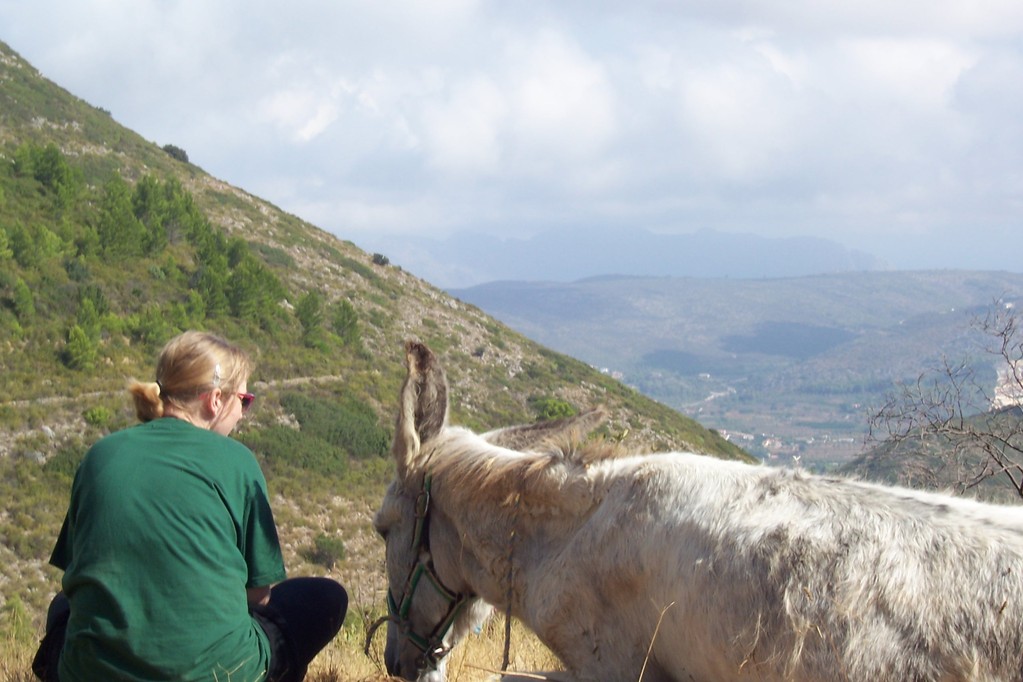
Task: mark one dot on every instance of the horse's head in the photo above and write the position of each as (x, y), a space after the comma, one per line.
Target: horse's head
(431, 604)
(430, 608)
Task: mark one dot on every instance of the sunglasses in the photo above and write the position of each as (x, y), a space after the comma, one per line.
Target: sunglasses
(246, 400)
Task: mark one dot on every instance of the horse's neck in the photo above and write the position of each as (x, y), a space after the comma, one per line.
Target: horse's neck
(503, 544)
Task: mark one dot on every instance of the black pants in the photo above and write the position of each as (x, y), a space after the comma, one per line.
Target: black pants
(303, 615)
(44, 665)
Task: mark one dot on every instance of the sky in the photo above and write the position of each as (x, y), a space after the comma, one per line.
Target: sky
(893, 128)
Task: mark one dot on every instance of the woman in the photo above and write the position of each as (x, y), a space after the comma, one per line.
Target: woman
(171, 560)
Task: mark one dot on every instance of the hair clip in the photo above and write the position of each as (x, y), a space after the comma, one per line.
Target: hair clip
(216, 375)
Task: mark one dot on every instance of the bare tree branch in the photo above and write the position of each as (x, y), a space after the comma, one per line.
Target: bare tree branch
(973, 430)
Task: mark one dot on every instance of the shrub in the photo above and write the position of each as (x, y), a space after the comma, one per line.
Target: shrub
(176, 152)
(98, 416)
(65, 463)
(19, 627)
(551, 408)
(350, 424)
(285, 448)
(327, 551)
(345, 323)
(151, 325)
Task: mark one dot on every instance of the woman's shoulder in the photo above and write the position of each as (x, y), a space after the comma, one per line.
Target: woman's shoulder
(116, 439)
(168, 431)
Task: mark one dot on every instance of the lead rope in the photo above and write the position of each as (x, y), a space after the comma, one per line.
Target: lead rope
(513, 541)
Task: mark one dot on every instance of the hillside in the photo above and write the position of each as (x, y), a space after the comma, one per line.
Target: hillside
(110, 244)
(789, 367)
(946, 460)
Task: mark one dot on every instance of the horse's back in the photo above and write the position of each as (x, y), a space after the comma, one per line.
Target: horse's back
(770, 574)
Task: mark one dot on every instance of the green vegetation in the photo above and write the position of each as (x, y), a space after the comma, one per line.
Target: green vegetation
(176, 152)
(551, 408)
(348, 423)
(327, 551)
(90, 268)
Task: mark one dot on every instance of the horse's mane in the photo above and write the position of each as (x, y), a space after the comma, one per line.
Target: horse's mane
(552, 475)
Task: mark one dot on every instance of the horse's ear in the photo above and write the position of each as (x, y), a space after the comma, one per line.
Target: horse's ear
(531, 436)
(423, 405)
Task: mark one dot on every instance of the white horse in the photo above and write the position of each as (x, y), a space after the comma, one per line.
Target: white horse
(681, 567)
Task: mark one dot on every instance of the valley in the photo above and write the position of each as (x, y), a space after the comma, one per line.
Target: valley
(785, 368)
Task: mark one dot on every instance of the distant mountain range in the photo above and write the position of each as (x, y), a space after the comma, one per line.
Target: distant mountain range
(468, 259)
(788, 367)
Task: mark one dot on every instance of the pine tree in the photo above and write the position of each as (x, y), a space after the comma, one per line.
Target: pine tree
(5, 245)
(81, 351)
(121, 234)
(24, 303)
(309, 311)
(345, 323)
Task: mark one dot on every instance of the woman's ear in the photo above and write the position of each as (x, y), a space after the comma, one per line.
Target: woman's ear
(212, 402)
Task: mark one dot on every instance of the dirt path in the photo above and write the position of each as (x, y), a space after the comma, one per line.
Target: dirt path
(65, 399)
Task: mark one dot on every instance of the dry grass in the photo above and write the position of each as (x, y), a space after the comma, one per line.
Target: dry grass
(476, 659)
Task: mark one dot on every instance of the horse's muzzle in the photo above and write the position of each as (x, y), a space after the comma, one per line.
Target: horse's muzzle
(391, 654)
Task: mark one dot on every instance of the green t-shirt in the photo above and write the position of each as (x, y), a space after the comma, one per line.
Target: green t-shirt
(168, 524)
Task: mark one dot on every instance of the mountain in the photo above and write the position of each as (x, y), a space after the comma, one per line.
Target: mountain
(57, 227)
(468, 259)
(110, 244)
(787, 367)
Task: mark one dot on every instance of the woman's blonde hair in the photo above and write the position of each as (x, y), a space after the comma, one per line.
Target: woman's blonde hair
(191, 364)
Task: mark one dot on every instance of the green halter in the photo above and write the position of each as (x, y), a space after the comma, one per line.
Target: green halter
(431, 646)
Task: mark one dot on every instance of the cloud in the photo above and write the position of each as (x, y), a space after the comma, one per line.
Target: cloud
(874, 122)
(465, 130)
(562, 100)
(739, 117)
(300, 110)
